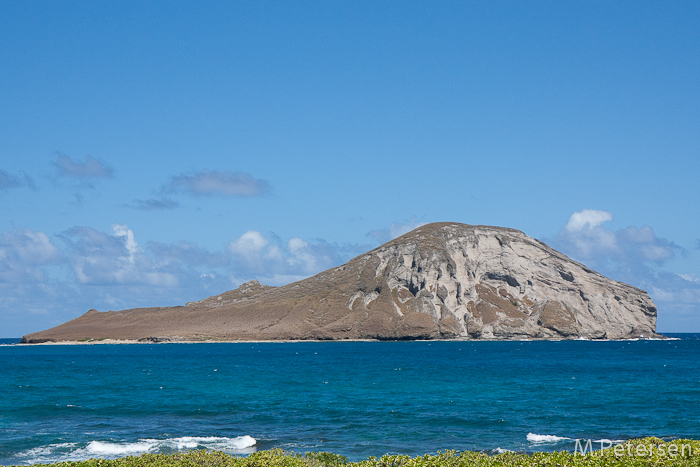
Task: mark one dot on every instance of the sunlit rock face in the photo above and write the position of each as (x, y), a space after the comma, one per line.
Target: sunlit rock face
(440, 281)
(497, 283)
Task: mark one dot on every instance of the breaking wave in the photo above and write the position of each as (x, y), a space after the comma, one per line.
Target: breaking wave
(539, 440)
(64, 452)
(545, 439)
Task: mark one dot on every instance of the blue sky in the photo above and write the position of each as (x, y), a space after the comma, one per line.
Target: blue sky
(154, 153)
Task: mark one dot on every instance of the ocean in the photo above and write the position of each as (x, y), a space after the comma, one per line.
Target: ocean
(358, 399)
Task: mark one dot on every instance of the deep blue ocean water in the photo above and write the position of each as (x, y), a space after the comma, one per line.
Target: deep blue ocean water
(358, 399)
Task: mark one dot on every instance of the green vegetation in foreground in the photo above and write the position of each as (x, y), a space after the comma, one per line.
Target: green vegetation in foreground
(647, 452)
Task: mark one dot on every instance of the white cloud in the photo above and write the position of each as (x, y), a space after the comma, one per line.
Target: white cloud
(646, 244)
(34, 248)
(101, 259)
(256, 256)
(24, 253)
(129, 242)
(587, 239)
(274, 253)
(89, 268)
(588, 218)
(304, 255)
(586, 236)
(111, 270)
(223, 183)
(249, 244)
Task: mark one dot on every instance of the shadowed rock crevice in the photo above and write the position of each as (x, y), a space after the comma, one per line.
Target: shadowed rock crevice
(440, 281)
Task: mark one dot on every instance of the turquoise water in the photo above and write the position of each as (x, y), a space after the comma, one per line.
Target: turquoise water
(354, 398)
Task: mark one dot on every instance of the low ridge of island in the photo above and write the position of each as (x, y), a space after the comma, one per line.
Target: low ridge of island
(439, 281)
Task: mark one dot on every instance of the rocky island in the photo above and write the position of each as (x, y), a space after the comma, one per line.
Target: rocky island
(440, 281)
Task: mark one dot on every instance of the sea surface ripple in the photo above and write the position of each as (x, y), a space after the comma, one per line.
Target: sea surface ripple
(359, 399)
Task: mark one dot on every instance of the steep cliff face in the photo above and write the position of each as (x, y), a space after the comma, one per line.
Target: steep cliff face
(440, 281)
(500, 283)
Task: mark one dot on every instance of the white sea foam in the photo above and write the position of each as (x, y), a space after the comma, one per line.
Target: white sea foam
(99, 448)
(44, 454)
(542, 439)
(211, 442)
(66, 452)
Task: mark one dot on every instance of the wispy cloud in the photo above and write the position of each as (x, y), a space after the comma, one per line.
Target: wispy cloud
(87, 169)
(395, 230)
(186, 254)
(678, 298)
(274, 261)
(153, 204)
(8, 181)
(221, 183)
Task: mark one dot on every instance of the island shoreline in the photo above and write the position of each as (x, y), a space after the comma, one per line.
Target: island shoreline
(108, 341)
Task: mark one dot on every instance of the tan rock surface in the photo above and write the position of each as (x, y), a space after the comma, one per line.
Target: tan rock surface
(440, 281)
